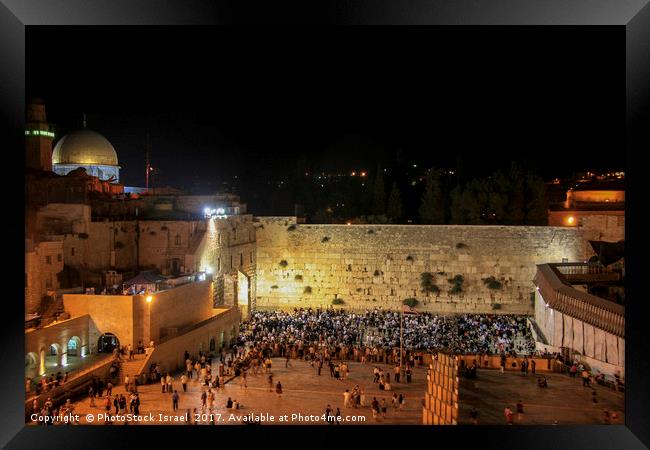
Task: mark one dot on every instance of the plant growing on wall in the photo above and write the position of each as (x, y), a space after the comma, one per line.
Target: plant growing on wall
(119, 244)
(412, 302)
(427, 282)
(492, 283)
(371, 231)
(283, 263)
(298, 277)
(291, 227)
(359, 289)
(409, 258)
(275, 286)
(338, 301)
(307, 290)
(496, 306)
(325, 239)
(461, 245)
(457, 284)
(377, 273)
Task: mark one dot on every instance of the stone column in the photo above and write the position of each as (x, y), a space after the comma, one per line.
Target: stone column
(41, 364)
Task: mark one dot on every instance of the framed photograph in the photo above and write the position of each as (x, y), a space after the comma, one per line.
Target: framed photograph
(276, 216)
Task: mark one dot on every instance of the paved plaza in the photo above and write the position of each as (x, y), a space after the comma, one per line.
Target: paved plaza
(565, 400)
(306, 396)
(304, 392)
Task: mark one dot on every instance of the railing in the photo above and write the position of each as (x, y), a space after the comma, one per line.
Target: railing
(562, 297)
(585, 272)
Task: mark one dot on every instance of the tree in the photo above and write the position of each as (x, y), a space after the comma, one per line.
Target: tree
(432, 208)
(458, 216)
(379, 193)
(537, 204)
(394, 203)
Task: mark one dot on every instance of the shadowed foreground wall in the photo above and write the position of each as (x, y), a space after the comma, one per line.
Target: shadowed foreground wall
(380, 265)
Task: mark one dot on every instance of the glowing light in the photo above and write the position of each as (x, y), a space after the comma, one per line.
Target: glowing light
(206, 211)
(221, 211)
(208, 270)
(571, 220)
(149, 298)
(39, 133)
(349, 223)
(363, 174)
(353, 174)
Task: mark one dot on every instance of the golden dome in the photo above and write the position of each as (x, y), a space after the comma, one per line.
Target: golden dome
(84, 147)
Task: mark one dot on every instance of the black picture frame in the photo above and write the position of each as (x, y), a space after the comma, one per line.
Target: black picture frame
(633, 15)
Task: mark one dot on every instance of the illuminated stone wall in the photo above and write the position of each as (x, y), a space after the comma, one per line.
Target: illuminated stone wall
(43, 261)
(380, 265)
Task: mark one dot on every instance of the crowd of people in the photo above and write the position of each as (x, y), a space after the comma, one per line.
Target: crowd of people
(379, 330)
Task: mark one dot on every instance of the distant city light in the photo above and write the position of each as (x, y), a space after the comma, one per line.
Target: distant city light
(363, 174)
(353, 174)
(349, 223)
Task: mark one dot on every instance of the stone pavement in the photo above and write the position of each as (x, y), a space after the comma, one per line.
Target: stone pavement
(304, 393)
(565, 399)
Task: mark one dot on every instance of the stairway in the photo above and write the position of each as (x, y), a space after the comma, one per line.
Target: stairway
(131, 368)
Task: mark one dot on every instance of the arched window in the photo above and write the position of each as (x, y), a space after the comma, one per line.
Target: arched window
(178, 239)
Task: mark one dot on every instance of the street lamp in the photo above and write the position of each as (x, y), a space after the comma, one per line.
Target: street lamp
(149, 298)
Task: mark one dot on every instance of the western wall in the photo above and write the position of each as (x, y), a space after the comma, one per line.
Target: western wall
(368, 266)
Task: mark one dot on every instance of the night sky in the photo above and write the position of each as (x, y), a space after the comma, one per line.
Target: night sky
(249, 102)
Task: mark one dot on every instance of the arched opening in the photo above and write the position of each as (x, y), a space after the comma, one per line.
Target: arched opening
(74, 347)
(107, 342)
(53, 356)
(31, 365)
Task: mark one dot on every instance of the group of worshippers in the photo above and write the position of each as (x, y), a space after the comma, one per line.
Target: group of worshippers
(355, 334)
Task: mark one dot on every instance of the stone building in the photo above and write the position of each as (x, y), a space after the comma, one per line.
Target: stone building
(596, 206)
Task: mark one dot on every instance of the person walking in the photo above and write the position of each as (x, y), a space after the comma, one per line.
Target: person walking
(91, 393)
(270, 382)
(116, 403)
(383, 408)
(503, 362)
(175, 400)
(163, 384)
(532, 366)
(375, 408)
(507, 412)
(328, 414)
(169, 383)
(287, 363)
(109, 389)
(520, 411)
(204, 398)
(346, 398)
(184, 382)
(278, 389)
(127, 381)
(338, 416)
